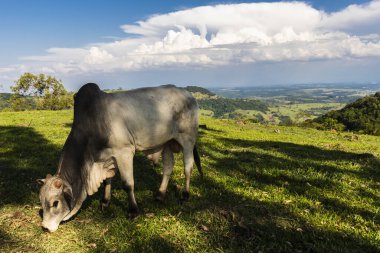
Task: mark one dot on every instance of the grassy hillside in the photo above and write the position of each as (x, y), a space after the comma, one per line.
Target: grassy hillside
(266, 188)
(363, 115)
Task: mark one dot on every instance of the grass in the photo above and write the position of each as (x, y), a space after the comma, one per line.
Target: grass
(266, 188)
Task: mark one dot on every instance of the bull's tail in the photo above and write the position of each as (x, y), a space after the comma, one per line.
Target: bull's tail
(197, 160)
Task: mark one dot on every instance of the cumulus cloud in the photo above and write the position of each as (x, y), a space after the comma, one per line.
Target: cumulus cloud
(354, 17)
(227, 34)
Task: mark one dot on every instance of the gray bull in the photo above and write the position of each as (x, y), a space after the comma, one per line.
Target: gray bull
(107, 131)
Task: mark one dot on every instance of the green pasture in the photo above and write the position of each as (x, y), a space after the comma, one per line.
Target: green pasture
(266, 189)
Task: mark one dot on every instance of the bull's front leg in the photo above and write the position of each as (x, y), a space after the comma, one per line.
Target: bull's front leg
(106, 200)
(125, 164)
(168, 162)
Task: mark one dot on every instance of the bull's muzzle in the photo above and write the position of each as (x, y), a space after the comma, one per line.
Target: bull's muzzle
(49, 227)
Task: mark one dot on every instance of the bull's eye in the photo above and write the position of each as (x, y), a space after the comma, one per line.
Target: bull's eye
(55, 204)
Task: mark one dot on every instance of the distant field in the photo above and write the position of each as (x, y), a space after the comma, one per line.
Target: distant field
(297, 112)
(301, 112)
(294, 103)
(266, 188)
(301, 93)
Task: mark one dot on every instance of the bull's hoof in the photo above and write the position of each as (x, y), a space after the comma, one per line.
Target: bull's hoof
(133, 212)
(159, 196)
(185, 196)
(104, 205)
(133, 215)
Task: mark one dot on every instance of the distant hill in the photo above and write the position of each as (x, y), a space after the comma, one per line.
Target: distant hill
(195, 89)
(221, 106)
(363, 115)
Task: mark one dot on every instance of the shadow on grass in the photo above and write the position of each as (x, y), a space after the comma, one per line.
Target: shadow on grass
(255, 158)
(303, 171)
(269, 226)
(6, 241)
(234, 221)
(25, 156)
(146, 179)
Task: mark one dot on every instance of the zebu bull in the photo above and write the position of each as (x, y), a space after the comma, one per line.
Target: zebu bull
(107, 131)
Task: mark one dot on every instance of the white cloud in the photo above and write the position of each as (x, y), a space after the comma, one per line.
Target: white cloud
(353, 16)
(7, 69)
(226, 34)
(175, 41)
(97, 56)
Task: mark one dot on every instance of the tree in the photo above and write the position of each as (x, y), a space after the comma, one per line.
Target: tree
(41, 91)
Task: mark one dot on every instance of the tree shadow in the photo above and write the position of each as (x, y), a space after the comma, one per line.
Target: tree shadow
(297, 169)
(6, 241)
(254, 225)
(266, 226)
(258, 156)
(25, 156)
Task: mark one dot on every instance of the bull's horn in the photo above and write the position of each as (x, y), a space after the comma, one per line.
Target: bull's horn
(57, 183)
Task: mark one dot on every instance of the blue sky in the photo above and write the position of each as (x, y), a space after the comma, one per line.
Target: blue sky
(208, 43)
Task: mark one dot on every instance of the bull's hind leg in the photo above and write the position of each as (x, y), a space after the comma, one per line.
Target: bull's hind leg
(168, 163)
(106, 200)
(125, 165)
(188, 160)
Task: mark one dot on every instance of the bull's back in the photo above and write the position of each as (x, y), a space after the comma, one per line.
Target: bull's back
(149, 117)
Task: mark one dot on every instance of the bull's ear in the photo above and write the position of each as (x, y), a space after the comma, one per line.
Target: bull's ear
(68, 194)
(67, 190)
(40, 181)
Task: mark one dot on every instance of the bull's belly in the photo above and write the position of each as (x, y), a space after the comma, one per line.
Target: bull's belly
(140, 142)
(142, 137)
(147, 143)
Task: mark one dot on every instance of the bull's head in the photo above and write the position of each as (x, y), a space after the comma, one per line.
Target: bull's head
(56, 200)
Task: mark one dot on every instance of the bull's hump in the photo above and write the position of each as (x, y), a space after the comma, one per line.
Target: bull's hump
(88, 89)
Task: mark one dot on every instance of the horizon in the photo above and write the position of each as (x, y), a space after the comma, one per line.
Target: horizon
(301, 86)
(263, 43)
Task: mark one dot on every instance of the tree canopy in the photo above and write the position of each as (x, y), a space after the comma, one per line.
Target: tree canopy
(42, 92)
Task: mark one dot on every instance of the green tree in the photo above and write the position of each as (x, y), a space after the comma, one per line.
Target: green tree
(41, 91)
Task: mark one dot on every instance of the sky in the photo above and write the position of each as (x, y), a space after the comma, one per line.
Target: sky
(132, 44)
